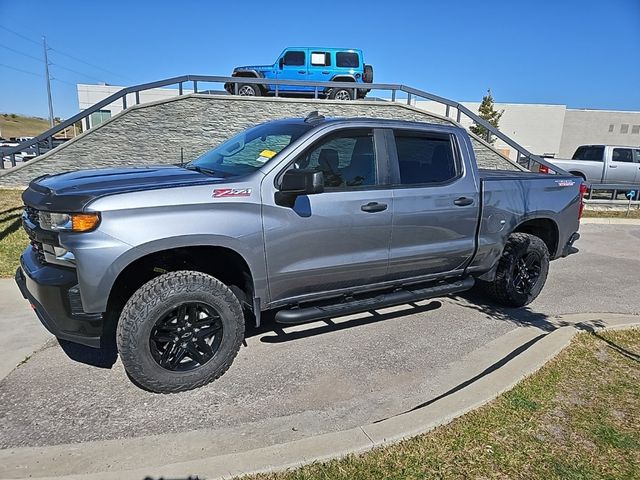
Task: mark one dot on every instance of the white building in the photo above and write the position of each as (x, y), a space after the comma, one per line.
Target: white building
(552, 130)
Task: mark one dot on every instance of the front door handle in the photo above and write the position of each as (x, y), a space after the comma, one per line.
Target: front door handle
(301, 71)
(613, 166)
(373, 207)
(463, 201)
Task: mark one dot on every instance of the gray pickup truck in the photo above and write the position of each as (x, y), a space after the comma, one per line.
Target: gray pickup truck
(307, 218)
(599, 164)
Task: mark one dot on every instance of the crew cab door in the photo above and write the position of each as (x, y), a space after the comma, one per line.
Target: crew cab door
(623, 166)
(436, 203)
(336, 239)
(292, 65)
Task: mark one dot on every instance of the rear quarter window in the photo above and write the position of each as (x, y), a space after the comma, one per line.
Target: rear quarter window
(347, 60)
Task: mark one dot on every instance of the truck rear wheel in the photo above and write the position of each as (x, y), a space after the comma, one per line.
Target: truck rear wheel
(179, 331)
(521, 273)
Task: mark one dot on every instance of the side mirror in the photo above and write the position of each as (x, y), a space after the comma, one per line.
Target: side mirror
(281, 62)
(297, 182)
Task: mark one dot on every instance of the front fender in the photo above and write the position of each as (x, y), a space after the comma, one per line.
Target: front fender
(95, 295)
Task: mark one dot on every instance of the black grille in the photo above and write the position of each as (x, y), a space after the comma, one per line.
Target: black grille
(39, 251)
(32, 215)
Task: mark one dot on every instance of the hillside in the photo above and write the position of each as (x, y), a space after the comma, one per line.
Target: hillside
(14, 125)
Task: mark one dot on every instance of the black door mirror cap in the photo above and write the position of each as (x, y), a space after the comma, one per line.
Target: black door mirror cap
(297, 182)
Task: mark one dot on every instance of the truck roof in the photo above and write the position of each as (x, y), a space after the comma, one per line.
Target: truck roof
(320, 120)
(608, 145)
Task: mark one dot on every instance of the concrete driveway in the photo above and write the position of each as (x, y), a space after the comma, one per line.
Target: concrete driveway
(297, 382)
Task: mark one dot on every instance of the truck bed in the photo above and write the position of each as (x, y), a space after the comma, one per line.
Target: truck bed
(510, 199)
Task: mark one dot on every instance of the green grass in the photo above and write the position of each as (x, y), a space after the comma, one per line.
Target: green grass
(577, 418)
(13, 239)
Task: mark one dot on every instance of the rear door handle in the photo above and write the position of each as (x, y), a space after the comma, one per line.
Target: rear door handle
(373, 207)
(463, 201)
(326, 72)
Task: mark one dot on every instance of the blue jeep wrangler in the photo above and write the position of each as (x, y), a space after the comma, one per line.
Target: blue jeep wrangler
(307, 63)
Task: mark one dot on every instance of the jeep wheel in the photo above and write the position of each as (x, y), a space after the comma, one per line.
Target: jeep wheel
(179, 331)
(248, 90)
(341, 94)
(522, 271)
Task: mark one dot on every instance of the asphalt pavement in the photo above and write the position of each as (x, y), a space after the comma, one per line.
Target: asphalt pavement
(297, 382)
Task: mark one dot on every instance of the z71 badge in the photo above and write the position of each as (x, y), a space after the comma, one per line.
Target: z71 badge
(231, 192)
(565, 183)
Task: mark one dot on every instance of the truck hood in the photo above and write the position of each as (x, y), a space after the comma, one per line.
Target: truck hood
(72, 191)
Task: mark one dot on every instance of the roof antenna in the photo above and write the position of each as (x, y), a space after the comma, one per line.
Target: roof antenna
(314, 117)
(181, 156)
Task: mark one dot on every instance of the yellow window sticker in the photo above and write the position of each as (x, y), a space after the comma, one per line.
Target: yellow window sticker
(267, 153)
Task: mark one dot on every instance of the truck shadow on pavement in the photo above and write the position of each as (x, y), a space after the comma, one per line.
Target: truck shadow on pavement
(521, 316)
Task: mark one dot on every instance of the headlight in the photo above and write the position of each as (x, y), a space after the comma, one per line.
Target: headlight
(69, 222)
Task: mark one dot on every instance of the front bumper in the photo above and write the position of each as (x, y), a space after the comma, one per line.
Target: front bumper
(55, 297)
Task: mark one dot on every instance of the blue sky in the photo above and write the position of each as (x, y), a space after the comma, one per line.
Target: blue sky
(582, 53)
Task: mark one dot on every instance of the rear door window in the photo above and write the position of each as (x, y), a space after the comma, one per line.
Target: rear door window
(589, 153)
(636, 155)
(622, 155)
(294, 58)
(347, 60)
(320, 59)
(426, 158)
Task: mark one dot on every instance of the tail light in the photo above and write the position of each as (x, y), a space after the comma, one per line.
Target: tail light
(543, 169)
(583, 191)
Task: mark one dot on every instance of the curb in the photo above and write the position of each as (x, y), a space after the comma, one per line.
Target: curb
(609, 221)
(533, 347)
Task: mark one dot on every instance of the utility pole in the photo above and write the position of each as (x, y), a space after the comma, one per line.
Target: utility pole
(46, 75)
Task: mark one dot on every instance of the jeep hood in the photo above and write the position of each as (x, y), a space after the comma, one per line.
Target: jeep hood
(257, 68)
(72, 191)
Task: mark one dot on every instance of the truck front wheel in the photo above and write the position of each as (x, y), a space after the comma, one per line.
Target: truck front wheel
(179, 331)
(521, 273)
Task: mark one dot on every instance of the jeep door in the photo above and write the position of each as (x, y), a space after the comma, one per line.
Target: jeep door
(292, 65)
(336, 239)
(436, 203)
(319, 66)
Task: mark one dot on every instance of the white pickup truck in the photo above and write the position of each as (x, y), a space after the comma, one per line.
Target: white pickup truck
(611, 164)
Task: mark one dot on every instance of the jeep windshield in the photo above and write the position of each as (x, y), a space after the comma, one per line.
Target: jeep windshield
(249, 150)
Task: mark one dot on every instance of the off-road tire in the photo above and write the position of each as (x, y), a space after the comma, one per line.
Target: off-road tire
(502, 289)
(367, 74)
(149, 303)
(341, 94)
(252, 86)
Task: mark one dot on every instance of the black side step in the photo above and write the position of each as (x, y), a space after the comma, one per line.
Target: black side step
(309, 314)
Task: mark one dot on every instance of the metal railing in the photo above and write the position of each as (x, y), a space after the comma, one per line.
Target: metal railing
(611, 191)
(316, 88)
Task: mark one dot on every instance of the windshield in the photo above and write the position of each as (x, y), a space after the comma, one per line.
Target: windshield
(249, 150)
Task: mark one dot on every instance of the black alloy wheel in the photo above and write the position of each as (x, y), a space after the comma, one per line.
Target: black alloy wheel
(526, 272)
(186, 337)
